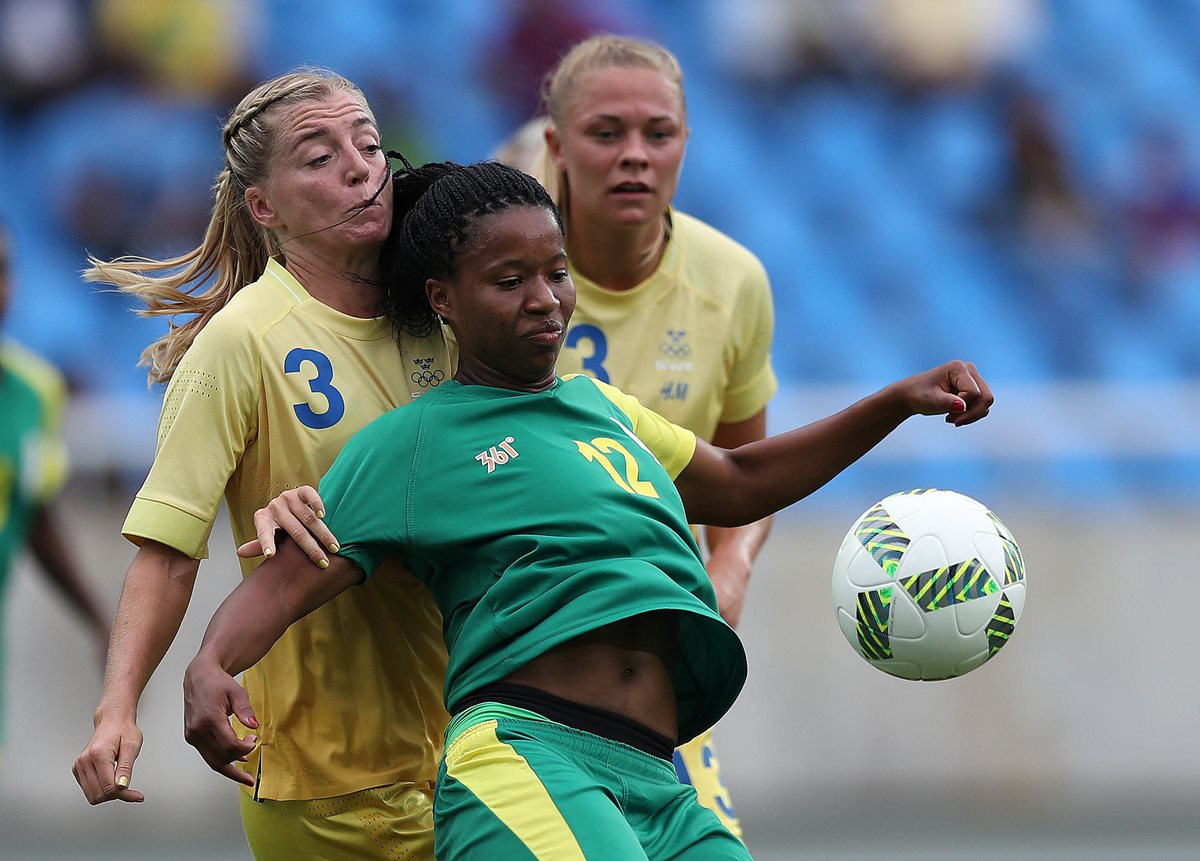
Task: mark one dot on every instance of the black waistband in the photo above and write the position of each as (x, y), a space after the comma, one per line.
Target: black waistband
(599, 722)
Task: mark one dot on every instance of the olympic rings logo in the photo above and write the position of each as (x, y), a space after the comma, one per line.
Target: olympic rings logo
(674, 348)
(425, 379)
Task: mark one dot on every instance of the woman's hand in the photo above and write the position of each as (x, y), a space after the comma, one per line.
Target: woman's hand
(955, 389)
(210, 696)
(297, 512)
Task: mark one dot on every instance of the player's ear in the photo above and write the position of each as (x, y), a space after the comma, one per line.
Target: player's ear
(687, 133)
(554, 146)
(439, 298)
(260, 208)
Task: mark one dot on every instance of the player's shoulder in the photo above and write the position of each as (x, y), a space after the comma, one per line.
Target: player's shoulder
(707, 249)
(586, 386)
(391, 430)
(234, 336)
(32, 370)
(25, 361)
(407, 416)
(255, 308)
(574, 382)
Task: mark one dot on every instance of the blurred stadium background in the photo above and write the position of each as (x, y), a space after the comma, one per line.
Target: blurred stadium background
(1016, 182)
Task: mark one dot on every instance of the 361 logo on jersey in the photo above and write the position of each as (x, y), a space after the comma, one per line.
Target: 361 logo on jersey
(498, 454)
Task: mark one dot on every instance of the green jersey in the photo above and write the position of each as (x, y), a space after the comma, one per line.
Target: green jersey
(33, 461)
(535, 518)
(32, 454)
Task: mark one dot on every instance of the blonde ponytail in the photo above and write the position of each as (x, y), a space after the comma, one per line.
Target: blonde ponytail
(235, 249)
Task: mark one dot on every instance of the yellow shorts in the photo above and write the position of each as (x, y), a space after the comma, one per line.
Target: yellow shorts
(696, 763)
(389, 822)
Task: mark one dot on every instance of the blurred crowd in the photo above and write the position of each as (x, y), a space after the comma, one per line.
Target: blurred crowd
(1016, 178)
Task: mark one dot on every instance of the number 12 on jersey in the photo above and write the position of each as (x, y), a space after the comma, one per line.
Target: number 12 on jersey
(597, 451)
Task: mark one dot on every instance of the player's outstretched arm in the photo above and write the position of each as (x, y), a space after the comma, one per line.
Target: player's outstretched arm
(729, 488)
(154, 598)
(282, 590)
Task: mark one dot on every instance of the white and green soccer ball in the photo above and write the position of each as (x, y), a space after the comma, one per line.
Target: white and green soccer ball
(928, 584)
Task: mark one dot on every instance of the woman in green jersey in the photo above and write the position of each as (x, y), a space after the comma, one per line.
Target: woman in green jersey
(669, 309)
(33, 471)
(549, 518)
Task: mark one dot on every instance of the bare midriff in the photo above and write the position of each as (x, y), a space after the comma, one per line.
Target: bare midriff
(626, 667)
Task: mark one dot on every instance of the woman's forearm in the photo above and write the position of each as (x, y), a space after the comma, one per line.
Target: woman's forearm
(284, 589)
(154, 598)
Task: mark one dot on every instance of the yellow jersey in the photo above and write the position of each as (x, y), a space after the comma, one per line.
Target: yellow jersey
(271, 388)
(692, 342)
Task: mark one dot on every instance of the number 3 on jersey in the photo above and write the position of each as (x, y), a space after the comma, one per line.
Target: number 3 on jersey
(593, 364)
(321, 384)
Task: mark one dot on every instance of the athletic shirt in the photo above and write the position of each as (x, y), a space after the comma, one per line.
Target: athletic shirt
(264, 399)
(33, 461)
(692, 342)
(535, 518)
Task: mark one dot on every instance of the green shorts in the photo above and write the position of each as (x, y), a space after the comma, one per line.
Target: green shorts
(528, 788)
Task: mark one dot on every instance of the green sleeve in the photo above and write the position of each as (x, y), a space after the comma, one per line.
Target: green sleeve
(364, 494)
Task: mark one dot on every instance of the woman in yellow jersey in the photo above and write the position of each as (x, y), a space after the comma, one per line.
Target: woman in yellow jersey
(669, 309)
(282, 360)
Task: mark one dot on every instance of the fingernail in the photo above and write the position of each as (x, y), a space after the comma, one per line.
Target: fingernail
(333, 547)
(324, 563)
(253, 722)
(268, 553)
(321, 513)
(122, 781)
(959, 406)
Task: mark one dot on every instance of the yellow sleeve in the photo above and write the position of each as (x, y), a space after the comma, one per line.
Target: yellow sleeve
(752, 380)
(672, 445)
(209, 417)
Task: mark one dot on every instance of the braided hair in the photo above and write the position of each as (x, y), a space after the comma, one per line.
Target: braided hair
(435, 205)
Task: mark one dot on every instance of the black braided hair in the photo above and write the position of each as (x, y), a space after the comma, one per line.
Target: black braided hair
(434, 206)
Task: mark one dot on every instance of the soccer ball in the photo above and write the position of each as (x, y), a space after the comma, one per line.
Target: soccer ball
(928, 584)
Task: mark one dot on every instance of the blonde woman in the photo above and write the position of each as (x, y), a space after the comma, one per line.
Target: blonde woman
(669, 309)
(281, 359)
